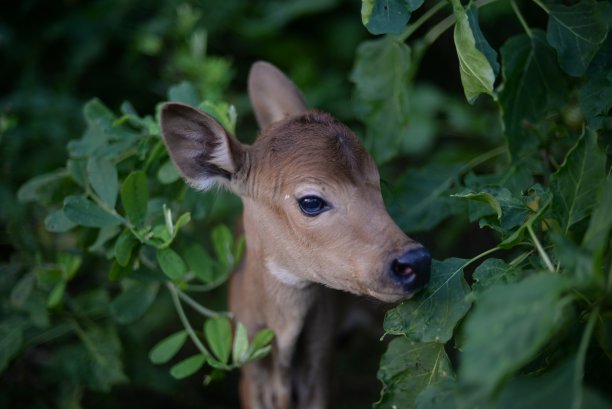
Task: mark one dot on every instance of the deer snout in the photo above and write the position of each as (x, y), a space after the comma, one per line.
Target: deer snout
(411, 269)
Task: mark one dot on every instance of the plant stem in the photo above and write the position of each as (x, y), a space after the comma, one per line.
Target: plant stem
(181, 313)
(521, 19)
(540, 249)
(436, 31)
(422, 20)
(197, 306)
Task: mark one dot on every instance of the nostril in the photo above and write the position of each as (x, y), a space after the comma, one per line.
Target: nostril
(411, 269)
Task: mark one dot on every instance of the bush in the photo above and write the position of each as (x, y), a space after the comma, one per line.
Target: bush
(102, 249)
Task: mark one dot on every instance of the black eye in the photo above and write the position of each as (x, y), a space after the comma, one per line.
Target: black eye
(312, 205)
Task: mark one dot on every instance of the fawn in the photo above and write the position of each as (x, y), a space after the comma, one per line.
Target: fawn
(313, 218)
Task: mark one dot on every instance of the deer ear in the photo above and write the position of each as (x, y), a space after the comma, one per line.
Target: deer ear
(199, 146)
(272, 94)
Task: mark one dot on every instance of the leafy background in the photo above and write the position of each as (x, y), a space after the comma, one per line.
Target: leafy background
(112, 271)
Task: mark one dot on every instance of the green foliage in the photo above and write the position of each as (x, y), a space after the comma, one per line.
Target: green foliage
(525, 328)
(107, 247)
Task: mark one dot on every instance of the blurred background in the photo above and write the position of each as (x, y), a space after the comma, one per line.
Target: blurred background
(56, 55)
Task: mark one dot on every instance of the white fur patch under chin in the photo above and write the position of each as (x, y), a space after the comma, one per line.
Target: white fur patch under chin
(285, 276)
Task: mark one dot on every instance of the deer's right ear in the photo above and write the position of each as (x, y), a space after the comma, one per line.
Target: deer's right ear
(203, 151)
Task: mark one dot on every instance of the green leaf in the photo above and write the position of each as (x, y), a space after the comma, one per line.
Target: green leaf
(381, 98)
(533, 85)
(222, 112)
(433, 314)
(135, 196)
(11, 339)
(168, 173)
(84, 212)
(56, 295)
(104, 363)
(442, 395)
(508, 326)
(168, 347)
(131, 304)
(420, 197)
(69, 264)
(102, 175)
(595, 96)
(494, 271)
(576, 32)
(222, 241)
(125, 244)
(77, 168)
(407, 368)
(387, 16)
(511, 211)
(57, 222)
(22, 290)
(600, 224)
(262, 338)
(218, 333)
(104, 235)
(576, 183)
(40, 188)
(171, 264)
(199, 263)
(477, 73)
(188, 367)
(241, 344)
(184, 92)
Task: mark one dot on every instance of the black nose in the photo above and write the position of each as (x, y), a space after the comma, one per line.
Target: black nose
(411, 269)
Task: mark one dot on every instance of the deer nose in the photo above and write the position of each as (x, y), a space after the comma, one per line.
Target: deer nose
(411, 269)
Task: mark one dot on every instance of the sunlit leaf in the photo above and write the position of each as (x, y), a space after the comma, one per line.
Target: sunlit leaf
(477, 73)
(218, 333)
(241, 343)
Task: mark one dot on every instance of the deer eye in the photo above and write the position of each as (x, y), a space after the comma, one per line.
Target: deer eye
(312, 206)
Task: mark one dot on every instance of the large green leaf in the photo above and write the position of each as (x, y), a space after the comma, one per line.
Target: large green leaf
(408, 367)
(84, 212)
(477, 73)
(387, 16)
(576, 32)
(102, 175)
(433, 314)
(420, 199)
(576, 183)
(596, 94)
(131, 304)
(533, 85)
(509, 325)
(200, 263)
(135, 196)
(601, 221)
(381, 94)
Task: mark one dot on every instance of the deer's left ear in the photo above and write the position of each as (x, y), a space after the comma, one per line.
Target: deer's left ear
(203, 151)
